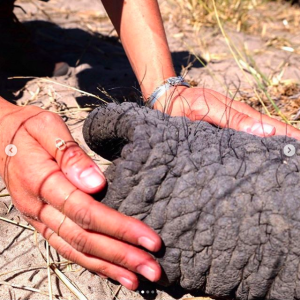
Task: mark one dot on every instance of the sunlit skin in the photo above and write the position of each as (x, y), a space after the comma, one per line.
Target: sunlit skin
(40, 177)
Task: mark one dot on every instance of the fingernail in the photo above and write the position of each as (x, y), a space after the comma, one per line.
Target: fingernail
(147, 272)
(261, 129)
(126, 282)
(146, 243)
(91, 178)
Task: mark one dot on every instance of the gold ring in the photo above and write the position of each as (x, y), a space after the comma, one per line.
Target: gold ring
(66, 198)
(48, 239)
(61, 224)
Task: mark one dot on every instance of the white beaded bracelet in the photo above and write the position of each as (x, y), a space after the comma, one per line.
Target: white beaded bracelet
(168, 83)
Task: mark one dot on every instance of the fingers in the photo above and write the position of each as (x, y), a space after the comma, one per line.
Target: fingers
(87, 243)
(92, 215)
(215, 108)
(281, 128)
(75, 164)
(103, 246)
(224, 115)
(95, 264)
(97, 245)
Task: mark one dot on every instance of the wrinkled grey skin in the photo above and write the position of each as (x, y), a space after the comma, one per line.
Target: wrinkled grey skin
(226, 203)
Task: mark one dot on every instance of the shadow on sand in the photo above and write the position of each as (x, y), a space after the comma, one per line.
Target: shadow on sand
(100, 61)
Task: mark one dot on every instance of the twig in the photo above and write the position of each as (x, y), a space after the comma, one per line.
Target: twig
(48, 272)
(61, 84)
(68, 283)
(4, 195)
(18, 224)
(116, 292)
(11, 205)
(22, 269)
(61, 276)
(28, 288)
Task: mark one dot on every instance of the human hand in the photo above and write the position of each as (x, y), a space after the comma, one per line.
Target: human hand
(40, 178)
(215, 108)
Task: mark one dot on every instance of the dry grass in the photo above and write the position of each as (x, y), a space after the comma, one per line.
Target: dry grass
(275, 22)
(235, 13)
(253, 16)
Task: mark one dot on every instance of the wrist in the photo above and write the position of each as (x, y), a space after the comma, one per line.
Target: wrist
(166, 90)
(149, 84)
(166, 101)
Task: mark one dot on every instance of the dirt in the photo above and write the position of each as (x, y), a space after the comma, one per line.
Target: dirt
(80, 33)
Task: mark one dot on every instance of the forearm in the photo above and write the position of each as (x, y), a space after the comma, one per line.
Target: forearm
(140, 27)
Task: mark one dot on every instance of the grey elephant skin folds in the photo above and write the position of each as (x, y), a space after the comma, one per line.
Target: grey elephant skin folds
(225, 203)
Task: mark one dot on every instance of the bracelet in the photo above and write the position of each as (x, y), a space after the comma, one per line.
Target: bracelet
(168, 83)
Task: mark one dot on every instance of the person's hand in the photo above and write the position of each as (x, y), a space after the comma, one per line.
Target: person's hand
(215, 108)
(47, 184)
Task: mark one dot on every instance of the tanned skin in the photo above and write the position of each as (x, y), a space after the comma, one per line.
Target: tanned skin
(40, 177)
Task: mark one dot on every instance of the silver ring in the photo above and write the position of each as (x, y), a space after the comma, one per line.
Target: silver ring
(61, 145)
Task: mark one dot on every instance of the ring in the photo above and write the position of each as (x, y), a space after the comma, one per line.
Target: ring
(61, 224)
(48, 239)
(66, 198)
(61, 145)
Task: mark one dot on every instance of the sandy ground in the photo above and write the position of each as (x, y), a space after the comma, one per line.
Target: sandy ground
(86, 39)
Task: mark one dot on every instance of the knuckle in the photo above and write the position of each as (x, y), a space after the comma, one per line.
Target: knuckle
(123, 231)
(237, 119)
(103, 268)
(48, 117)
(83, 217)
(73, 156)
(65, 250)
(43, 119)
(80, 242)
(33, 110)
(120, 259)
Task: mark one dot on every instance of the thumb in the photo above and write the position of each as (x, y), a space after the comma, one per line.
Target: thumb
(77, 166)
(80, 169)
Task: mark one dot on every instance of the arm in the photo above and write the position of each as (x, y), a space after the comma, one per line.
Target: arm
(139, 25)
